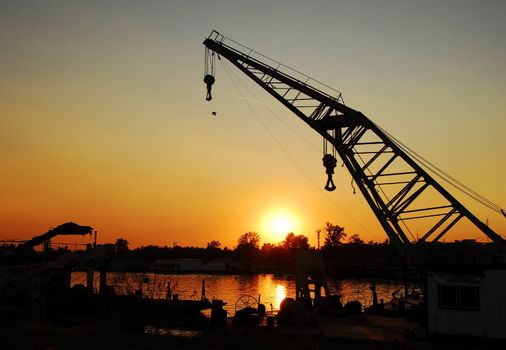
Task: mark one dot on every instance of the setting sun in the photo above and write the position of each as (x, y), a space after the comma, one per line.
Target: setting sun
(278, 223)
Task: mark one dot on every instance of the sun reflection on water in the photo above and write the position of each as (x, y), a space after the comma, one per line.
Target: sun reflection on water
(280, 295)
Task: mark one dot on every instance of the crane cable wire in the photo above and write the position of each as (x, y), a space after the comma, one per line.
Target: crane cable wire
(232, 76)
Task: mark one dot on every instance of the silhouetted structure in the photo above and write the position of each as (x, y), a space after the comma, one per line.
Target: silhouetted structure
(387, 172)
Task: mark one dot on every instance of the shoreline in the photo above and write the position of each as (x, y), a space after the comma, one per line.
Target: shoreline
(100, 336)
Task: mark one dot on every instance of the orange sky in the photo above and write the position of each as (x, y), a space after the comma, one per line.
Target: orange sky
(103, 120)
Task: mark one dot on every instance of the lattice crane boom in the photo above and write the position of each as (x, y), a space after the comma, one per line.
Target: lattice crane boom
(398, 190)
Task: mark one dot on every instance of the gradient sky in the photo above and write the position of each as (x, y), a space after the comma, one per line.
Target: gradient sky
(103, 119)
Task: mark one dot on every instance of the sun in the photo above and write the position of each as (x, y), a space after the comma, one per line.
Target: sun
(278, 223)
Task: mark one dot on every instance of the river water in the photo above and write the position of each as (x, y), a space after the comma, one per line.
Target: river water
(235, 289)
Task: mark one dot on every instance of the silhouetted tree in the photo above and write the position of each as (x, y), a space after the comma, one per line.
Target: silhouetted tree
(151, 253)
(121, 245)
(355, 239)
(213, 250)
(267, 247)
(214, 244)
(293, 241)
(247, 246)
(249, 239)
(276, 255)
(334, 234)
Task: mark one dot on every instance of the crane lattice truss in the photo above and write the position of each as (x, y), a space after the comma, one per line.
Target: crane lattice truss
(397, 189)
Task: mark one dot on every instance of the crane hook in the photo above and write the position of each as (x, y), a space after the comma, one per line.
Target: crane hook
(329, 186)
(209, 80)
(329, 162)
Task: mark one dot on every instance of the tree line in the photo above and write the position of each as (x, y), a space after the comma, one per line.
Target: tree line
(249, 249)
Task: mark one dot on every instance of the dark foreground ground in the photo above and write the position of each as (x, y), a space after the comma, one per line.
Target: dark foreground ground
(94, 337)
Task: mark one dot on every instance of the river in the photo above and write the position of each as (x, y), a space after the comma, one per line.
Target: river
(232, 289)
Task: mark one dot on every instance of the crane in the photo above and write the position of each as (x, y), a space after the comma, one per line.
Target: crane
(68, 228)
(398, 190)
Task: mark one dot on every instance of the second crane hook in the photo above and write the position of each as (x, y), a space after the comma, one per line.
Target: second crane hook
(209, 80)
(329, 162)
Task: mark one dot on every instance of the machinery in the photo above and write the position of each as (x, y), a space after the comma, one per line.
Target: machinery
(33, 285)
(399, 191)
(65, 229)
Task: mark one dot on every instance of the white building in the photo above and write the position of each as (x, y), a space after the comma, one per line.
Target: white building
(467, 304)
(198, 265)
(178, 265)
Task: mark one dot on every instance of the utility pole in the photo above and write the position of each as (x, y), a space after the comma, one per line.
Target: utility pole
(318, 235)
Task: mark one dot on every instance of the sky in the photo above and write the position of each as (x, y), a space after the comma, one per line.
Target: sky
(103, 119)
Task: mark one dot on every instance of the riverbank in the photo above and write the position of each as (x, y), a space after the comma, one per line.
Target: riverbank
(107, 337)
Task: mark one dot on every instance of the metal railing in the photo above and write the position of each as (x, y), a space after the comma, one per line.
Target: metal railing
(276, 65)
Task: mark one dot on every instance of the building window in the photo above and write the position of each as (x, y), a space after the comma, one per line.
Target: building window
(448, 297)
(459, 297)
(469, 298)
